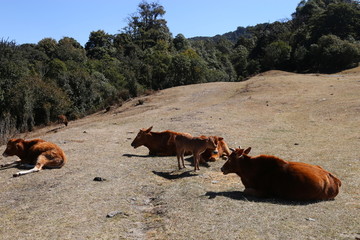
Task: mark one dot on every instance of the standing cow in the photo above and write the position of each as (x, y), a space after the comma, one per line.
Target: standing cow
(196, 145)
(158, 143)
(265, 176)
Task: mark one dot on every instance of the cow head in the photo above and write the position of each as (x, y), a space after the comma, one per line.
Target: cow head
(212, 144)
(141, 137)
(217, 153)
(232, 164)
(13, 147)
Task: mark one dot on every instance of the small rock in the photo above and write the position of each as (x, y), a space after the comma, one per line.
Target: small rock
(114, 213)
(310, 219)
(214, 181)
(99, 179)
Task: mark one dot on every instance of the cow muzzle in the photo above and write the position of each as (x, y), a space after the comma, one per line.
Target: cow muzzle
(5, 155)
(224, 171)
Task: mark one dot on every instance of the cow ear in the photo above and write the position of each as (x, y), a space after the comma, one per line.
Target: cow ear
(149, 129)
(239, 152)
(220, 138)
(19, 144)
(247, 150)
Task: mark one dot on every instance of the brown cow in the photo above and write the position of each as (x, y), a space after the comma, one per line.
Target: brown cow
(158, 143)
(35, 152)
(63, 119)
(197, 145)
(222, 150)
(265, 175)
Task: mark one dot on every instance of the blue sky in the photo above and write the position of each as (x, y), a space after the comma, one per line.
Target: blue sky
(29, 21)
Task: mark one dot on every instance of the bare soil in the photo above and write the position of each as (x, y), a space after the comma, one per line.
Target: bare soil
(312, 118)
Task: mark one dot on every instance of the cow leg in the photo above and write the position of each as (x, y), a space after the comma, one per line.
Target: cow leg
(182, 159)
(178, 159)
(35, 169)
(196, 161)
(39, 164)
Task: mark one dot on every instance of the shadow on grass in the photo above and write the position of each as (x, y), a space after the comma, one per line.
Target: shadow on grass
(241, 196)
(136, 155)
(20, 166)
(175, 175)
(189, 159)
(9, 165)
(144, 156)
(55, 129)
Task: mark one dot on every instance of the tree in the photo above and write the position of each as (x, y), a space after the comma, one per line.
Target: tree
(332, 54)
(147, 27)
(277, 55)
(99, 45)
(240, 60)
(341, 19)
(48, 46)
(70, 50)
(180, 42)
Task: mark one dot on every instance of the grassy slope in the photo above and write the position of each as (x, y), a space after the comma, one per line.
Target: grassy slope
(309, 118)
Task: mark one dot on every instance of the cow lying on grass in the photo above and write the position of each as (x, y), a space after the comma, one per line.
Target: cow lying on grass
(196, 145)
(265, 176)
(37, 153)
(222, 150)
(158, 143)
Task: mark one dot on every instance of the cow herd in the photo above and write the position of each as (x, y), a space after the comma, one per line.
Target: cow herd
(262, 176)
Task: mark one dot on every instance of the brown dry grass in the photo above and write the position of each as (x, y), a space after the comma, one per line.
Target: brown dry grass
(309, 118)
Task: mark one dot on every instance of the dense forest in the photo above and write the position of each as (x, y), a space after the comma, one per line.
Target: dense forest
(40, 81)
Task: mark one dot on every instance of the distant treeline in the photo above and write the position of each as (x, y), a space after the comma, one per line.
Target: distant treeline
(40, 81)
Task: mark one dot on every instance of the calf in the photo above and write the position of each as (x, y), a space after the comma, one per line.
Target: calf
(222, 150)
(35, 152)
(196, 145)
(265, 175)
(63, 119)
(158, 143)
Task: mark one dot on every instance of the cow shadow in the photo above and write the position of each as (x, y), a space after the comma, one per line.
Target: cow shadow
(55, 130)
(191, 161)
(241, 196)
(129, 155)
(188, 159)
(21, 166)
(9, 165)
(175, 174)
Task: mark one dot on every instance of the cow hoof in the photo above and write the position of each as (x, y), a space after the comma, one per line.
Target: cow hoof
(16, 175)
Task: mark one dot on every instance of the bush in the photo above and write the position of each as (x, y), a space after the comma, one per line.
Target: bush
(277, 55)
(332, 54)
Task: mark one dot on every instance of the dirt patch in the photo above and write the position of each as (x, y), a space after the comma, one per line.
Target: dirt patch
(312, 118)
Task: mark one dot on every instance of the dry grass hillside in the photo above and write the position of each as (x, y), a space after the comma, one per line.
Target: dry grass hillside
(310, 118)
